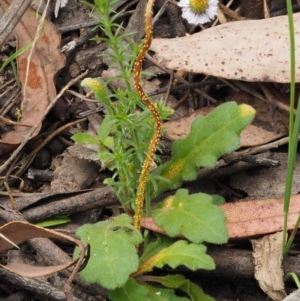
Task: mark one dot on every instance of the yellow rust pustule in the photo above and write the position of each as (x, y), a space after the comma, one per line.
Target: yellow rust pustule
(158, 123)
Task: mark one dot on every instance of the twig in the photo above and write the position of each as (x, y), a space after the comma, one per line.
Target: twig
(39, 288)
(81, 96)
(169, 88)
(211, 99)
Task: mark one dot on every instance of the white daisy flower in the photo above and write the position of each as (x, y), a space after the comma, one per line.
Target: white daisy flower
(198, 11)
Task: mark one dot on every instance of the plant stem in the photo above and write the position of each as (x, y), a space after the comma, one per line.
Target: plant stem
(293, 131)
(156, 135)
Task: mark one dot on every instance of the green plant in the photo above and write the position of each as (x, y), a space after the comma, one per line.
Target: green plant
(124, 135)
(14, 55)
(294, 128)
(118, 261)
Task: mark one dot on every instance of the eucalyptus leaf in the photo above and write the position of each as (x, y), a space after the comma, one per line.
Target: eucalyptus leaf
(113, 251)
(193, 216)
(248, 50)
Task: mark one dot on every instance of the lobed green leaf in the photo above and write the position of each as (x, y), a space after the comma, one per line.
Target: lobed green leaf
(209, 138)
(113, 252)
(154, 247)
(193, 256)
(190, 288)
(131, 291)
(193, 216)
(163, 294)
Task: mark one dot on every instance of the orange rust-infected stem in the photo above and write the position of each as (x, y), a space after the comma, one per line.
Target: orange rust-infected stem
(156, 135)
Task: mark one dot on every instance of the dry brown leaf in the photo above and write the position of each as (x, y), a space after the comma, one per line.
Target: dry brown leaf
(252, 50)
(46, 61)
(19, 232)
(267, 257)
(250, 218)
(264, 128)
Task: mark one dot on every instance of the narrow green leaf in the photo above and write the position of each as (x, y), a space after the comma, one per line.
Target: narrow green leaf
(209, 138)
(84, 138)
(131, 291)
(104, 128)
(193, 216)
(113, 252)
(54, 221)
(15, 55)
(193, 256)
(190, 288)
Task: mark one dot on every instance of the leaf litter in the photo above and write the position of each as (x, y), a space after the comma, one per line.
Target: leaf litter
(210, 63)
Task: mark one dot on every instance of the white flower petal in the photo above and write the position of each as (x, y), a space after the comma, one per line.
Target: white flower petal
(198, 18)
(183, 3)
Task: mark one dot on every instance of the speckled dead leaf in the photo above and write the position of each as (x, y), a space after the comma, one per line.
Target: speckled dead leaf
(19, 232)
(267, 257)
(45, 62)
(252, 50)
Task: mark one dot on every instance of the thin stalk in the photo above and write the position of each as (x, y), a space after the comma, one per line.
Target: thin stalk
(293, 132)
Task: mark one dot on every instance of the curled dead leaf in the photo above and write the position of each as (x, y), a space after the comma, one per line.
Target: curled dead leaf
(19, 232)
(267, 257)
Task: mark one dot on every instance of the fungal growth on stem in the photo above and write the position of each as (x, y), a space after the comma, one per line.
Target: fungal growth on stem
(158, 123)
